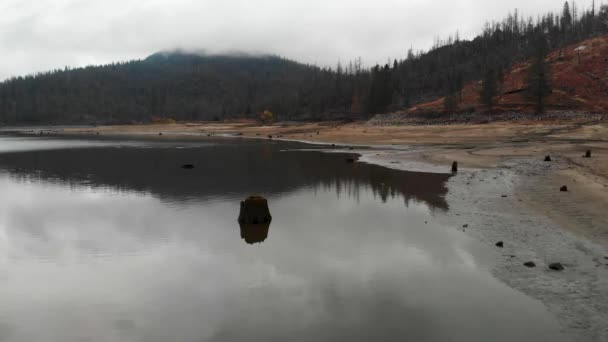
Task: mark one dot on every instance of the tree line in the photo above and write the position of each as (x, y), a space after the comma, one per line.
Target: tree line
(190, 86)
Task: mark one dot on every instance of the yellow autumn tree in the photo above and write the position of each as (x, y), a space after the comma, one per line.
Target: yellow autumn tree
(267, 116)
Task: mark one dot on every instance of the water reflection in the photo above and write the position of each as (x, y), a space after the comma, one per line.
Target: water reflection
(222, 170)
(96, 245)
(254, 233)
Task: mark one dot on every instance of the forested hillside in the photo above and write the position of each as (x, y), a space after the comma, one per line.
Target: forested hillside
(190, 86)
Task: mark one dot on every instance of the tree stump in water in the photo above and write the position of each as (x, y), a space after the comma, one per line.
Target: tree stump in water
(454, 167)
(588, 154)
(254, 210)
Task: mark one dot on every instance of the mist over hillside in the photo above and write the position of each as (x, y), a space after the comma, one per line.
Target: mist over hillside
(194, 85)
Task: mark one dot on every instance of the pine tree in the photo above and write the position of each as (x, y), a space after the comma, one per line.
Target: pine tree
(489, 88)
(566, 20)
(538, 80)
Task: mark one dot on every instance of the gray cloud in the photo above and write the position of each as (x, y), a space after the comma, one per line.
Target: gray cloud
(39, 35)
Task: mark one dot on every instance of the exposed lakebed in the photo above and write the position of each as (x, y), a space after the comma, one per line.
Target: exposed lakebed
(106, 240)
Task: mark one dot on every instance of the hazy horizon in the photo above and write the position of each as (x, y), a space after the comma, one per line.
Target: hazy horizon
(53, 34)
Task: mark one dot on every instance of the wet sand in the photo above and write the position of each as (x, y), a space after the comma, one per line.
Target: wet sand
(503, 192)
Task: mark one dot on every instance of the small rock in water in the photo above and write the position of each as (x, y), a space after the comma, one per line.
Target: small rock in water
(465, 226)
(500, 244)
(564, 189)
(556, 266)
(504, 196)
(350, 160)
(160, 133)
(530, 264)
(269, 136)
(588, 154)
(188, 166)
(548, 158)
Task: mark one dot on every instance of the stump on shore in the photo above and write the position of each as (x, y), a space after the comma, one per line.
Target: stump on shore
(454, 167)
(254, 210)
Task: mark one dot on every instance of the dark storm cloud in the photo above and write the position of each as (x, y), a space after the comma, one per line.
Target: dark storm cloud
(38, 35)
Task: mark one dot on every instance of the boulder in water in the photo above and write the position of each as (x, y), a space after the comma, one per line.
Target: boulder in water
(556, 266)
(188, 166)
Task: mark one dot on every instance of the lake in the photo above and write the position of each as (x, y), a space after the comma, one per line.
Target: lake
(112, 240)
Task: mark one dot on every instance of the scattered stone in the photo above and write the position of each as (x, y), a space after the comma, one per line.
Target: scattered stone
(465, 226)
(500, 244)
(254, 210)
(160, 133)
(530, 264)
(269, 136)
(454, 167)
(504, 196)
(351, 148)
(556, 266)
(548, 158)
(564, 189)
(188, 166)
(317, 133)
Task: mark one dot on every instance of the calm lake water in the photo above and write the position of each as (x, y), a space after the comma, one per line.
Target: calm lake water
(105, 240)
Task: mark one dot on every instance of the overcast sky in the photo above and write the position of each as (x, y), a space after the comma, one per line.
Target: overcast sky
(39, 35)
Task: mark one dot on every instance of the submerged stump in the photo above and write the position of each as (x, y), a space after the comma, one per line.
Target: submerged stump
(254, 210)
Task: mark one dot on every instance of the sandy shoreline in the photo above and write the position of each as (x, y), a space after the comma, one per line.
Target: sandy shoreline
(504, 192)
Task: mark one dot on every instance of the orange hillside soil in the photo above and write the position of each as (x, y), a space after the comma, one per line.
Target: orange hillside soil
(579, 80)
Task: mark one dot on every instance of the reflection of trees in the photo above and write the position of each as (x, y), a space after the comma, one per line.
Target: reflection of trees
(227, 169)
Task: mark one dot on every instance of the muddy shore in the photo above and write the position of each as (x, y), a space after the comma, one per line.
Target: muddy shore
(505, 191)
